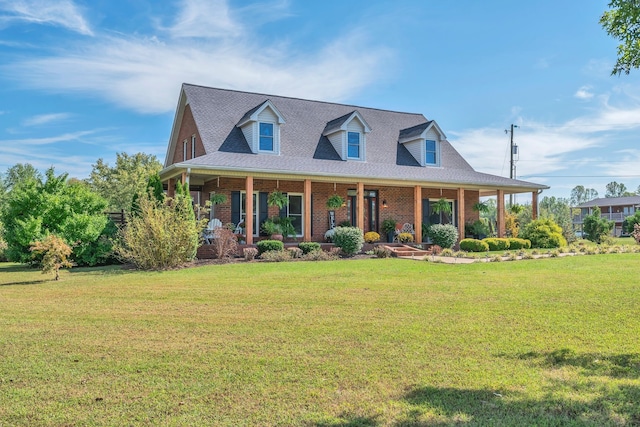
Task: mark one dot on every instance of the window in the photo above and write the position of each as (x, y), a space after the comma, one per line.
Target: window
(266, 136)
(193, 147)
(243, 210)
(294, 211)
(184, 150)
(430, 154)
(353, 145)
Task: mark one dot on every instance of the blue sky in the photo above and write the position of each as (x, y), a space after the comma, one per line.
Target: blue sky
(82, 80)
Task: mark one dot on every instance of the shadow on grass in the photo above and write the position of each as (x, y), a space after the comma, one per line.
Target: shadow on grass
(348, 420)
(27, 282)
(612, 365)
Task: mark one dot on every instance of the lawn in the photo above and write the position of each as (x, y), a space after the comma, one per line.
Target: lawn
(375, 342)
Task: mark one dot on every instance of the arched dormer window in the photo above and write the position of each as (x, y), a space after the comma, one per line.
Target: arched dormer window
(348, 135)
(423, 142)
(261, 128)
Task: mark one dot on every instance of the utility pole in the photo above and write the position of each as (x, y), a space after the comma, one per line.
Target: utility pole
(512, 171)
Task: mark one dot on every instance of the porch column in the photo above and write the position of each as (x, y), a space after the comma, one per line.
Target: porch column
(417, 212)
(184, 178)
(360, 206)
(248, 205)
(171, 187)
(307, 211)
(461, 208)
(534, 205)
(500, 214)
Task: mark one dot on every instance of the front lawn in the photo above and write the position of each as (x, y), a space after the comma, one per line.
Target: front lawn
(375, 342)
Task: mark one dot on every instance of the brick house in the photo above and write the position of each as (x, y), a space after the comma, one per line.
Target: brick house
(384, 164)
(615, 209)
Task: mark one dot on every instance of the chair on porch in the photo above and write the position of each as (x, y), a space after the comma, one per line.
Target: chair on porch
(208, 232)
(406, 228)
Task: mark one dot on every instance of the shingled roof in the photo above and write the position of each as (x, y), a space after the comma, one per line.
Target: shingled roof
(304, 149)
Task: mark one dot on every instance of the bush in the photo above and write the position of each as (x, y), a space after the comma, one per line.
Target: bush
(381, 252)
(544, 233)
(443, 235)
(371, 237)
(636, 233)
(309, 247)
(295, 252)
(161, 235)
(321, 255)
(595, 227)
(269, 245)
(405, 237)
(250, 253)
(349, 239)
(630, 222)
(474, 245)
(225, 243)
(276, 256)
(436, 250)
(447, 252)
(54, 252)
(515, 243)
(497, 244)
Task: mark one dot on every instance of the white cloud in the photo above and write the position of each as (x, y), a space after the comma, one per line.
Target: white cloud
(584, 92)
(9, 144)
(43, 119)
(62, 13)
(145, 73)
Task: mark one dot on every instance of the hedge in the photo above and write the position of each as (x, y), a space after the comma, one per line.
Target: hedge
(496, 243)
(473, 245)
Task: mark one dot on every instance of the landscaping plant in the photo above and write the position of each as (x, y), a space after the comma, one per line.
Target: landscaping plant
(371, 237)
(443, 235)
(53, 253)
(543, 233)
(349, 239)
(595, 227)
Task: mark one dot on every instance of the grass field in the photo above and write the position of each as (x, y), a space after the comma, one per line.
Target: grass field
(379, 342)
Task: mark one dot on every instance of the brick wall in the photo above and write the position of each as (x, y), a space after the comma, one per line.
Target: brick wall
(187, 128)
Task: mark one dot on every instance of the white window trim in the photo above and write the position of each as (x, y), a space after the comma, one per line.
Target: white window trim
(276, 138)
(184, 150)
(361, 145)
(454, 214)
(301, 195)
(424, 154)
(256, 211)
(193, 146)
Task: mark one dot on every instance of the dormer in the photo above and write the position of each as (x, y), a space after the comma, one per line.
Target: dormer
(348, 135)
(261, 128)
(423, 142)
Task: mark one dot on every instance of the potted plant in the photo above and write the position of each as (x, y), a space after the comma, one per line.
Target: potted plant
(277, 198)
(479, 229)
(272, 230)
(335, 202)
(388, 227)
(216, 199)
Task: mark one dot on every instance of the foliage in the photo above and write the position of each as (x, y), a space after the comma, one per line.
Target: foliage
(405, 237)
(278, 225)
(630, 222)
(511, 224)
(442, 206)
(371, 237)
(580, 195)
(443, 235)
(622, 22)
(276, 256)
(481, 207)
(225, 243)
(497, 244)
(53, 253)
(270, 228)
(162, 235)
(250, 253)
(17, 175)
(277, 198)
(322, 255)
(295, 252)
(558, 210)
(349, 239)
(515, 243)
(218, 198)
(309, 247)
(269, 245)
(34, 208)
(543, 233)
(435, 250)
(595, 227)
(335, 201)
(388, 225)
(479, 228)
(615, 189)
(153, 188)
(636, 233)
(382, 252)
(119, 184)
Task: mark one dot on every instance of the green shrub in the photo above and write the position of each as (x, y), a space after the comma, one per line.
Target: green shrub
(496, 243)
(309, 247)
(321, 255)
(630, 222)
(269, 245)
(349, 239)
(595, 227)
(516, 243)
(474, 245)
(543, 233)
(443, 235)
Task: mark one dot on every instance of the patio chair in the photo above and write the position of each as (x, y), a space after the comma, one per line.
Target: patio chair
(208, 232)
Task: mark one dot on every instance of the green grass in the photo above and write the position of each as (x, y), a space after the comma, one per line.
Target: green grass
(379, 342)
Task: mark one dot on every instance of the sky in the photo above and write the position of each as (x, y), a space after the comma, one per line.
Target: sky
(83, 80)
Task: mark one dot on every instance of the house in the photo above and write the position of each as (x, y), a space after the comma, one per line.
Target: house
(615, 209)
(384, 164)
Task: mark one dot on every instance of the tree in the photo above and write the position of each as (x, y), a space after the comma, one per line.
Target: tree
(595, 227)
(119, 184)
(54, 252)
(630, 222)
(543, 233)
(558, 210)
(622, 22)
(35, 208)
(615, 190)
(580, 195)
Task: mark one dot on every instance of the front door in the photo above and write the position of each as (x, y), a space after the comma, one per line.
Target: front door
(370, 209)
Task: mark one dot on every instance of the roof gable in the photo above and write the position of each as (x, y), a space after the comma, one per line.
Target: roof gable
(253, 114)
(342, 123)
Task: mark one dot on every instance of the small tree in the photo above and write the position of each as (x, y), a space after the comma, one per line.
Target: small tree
(636, 233)
(54, 252)
(595, 227)
(544, 233)
(630, 222)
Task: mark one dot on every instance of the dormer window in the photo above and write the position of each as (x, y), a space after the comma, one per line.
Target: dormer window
(266, 136)
(348, 135)
(423, 141)
(353, 145)
(261, 128)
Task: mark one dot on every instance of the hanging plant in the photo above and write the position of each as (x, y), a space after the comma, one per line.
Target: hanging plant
(442, 206)
(218, 199)
(335, 202)
(277, 198)
(481, 207)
